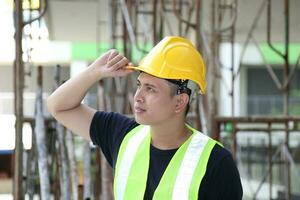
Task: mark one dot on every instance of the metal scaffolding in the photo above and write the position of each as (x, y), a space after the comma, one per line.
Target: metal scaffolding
(18, 90)
(263, 125)
(135, 26)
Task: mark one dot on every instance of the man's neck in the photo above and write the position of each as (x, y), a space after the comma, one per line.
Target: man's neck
(169, 135)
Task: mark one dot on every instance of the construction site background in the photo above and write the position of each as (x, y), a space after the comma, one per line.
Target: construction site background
(252, 106)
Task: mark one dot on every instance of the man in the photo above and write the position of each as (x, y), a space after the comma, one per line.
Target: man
(156, 155)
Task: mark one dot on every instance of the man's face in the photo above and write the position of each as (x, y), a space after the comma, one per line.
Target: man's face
(153, 102)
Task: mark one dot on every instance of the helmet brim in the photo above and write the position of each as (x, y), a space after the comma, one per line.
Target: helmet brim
(140, 68)
(134, 67)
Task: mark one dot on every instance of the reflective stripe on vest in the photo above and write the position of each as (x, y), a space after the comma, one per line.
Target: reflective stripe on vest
(182, 177)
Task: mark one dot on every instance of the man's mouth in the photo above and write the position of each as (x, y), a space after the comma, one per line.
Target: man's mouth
(138, 109)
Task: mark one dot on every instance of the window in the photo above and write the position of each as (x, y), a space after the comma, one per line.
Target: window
(263, 97)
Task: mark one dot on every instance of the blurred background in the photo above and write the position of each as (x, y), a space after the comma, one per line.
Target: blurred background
(252, 106)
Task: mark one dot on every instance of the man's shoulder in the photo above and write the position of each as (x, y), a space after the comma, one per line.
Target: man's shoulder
(106, 115)
(108, 129)
(114, 119)
(221, 166)
(219, 154)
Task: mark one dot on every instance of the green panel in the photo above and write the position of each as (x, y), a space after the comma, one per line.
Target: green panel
(88, 50)
(274, 58)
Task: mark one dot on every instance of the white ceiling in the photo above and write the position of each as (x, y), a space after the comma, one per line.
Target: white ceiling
(76, 20)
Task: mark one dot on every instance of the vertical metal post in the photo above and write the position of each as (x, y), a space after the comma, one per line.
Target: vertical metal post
(72, 164)
(40, 135)
(270, 163)
(18, 103)
(249, 157)
(216, 131)
(286, 92)
(199, 46)
(212, 70)
(62, 152)
(232, 41)
(126, 45)
(154, 25)
(286, 59)
(199, 43)
(234, 146)
(106, 171)
(286, 162)
(87, 193)
(285, 56)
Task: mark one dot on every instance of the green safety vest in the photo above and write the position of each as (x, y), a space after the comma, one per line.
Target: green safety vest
(182, 177)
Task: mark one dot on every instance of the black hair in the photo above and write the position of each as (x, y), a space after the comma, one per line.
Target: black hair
(179, 87)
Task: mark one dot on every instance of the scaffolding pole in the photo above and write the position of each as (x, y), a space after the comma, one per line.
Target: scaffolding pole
(40, 135)
(62, 151)
(18, 103)
(285, 56)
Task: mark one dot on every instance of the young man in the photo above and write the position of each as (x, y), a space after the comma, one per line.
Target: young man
(156, 155)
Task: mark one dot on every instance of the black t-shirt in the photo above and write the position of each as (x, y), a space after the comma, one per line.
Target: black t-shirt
(221, 180)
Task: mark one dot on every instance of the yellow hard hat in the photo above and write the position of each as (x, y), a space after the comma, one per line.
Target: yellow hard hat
(175, 58)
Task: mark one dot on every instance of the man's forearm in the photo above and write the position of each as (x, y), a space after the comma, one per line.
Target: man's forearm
(65, 103)
(70, 94)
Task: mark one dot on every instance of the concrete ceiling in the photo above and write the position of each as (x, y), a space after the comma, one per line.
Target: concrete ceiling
(76, 20)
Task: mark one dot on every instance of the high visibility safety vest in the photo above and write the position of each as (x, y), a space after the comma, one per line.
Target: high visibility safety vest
(182, 177)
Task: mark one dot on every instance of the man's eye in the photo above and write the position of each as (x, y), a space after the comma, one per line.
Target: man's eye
(150, 89)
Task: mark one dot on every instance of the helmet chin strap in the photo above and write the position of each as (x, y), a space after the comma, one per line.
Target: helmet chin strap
(184, 89)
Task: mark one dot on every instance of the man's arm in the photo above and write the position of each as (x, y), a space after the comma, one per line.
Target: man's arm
(225, 182)
(64, 103)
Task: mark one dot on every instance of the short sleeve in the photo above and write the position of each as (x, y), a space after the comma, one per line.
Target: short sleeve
(223, 179)
(107, 130)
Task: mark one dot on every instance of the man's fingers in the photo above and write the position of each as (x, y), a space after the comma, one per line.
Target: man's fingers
(113, 53)
(121, 64)
(114, 60)
(123, 72)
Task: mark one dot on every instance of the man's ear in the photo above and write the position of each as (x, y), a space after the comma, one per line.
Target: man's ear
(181, 102)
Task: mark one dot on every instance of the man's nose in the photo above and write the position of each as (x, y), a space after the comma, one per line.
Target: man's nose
(139, 97)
